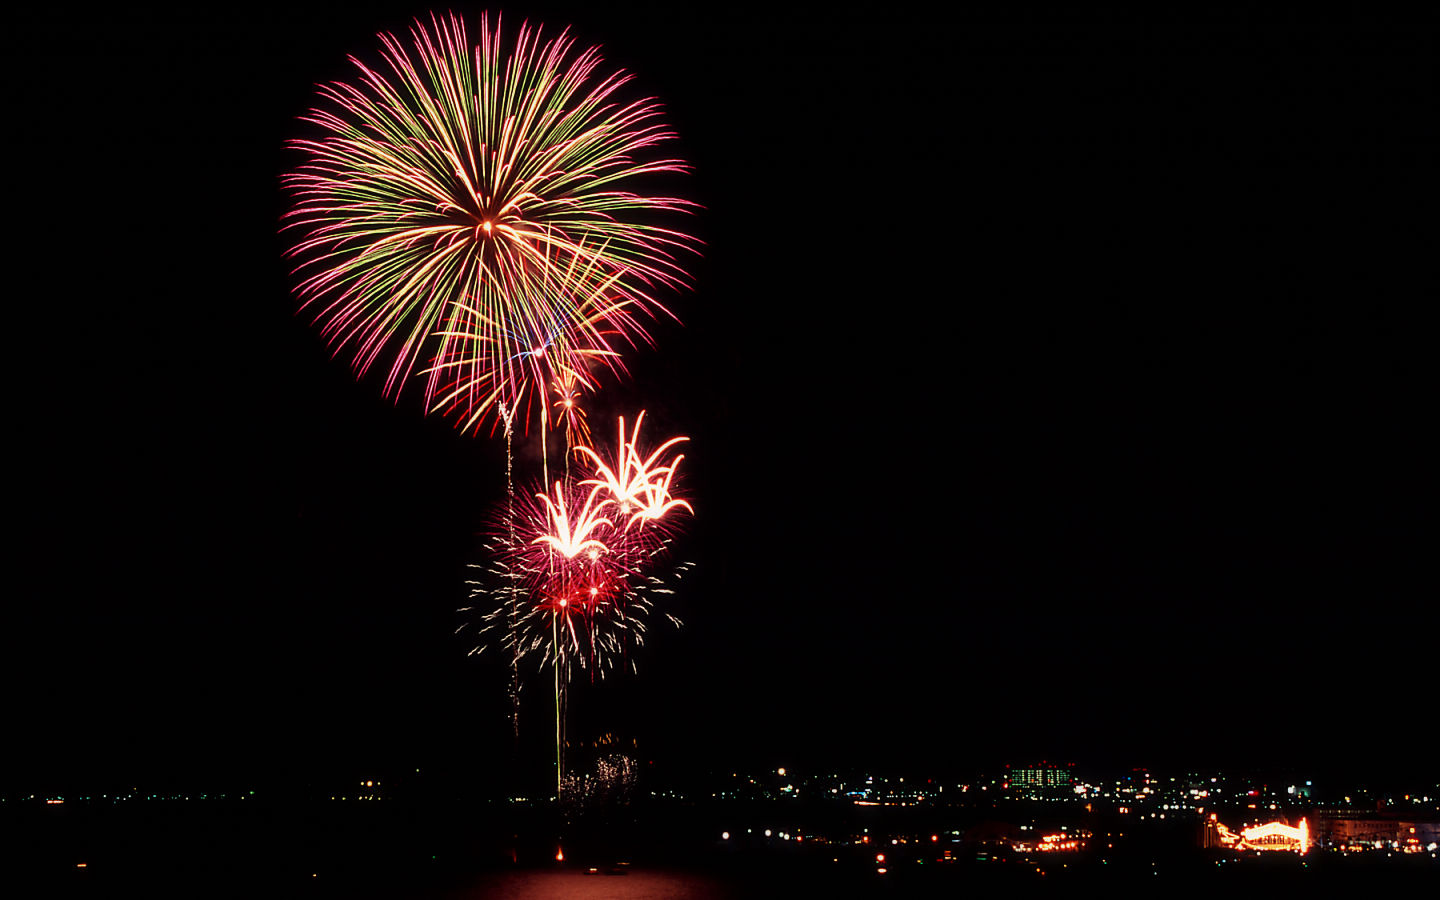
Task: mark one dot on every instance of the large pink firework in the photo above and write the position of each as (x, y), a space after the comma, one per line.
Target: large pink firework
(477, 212)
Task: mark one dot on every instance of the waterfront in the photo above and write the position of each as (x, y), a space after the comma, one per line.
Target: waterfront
(246, 846)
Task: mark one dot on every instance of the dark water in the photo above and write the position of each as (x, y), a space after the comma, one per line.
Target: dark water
(238, 849)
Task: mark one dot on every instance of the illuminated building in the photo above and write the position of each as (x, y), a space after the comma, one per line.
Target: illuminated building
(1266, 837)
(1376, 832)
(1058, 842)
(1044, 779)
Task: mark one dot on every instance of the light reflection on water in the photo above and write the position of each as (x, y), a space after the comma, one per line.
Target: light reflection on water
(634, 885)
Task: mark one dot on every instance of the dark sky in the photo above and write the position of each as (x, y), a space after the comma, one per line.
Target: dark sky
(1054, 387)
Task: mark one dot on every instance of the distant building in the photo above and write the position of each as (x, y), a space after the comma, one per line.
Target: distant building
(1043, 779)
(1266, 837)
(1376, 831)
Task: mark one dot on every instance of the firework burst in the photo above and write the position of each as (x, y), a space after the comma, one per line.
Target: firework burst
(476, 213)
(571, 526)
(575, 572)
(636, 485)
(587, 612)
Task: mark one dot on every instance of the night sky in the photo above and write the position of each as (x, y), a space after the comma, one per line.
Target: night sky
(1055, 390)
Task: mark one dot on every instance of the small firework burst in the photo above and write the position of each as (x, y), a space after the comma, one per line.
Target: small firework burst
(571, 581)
